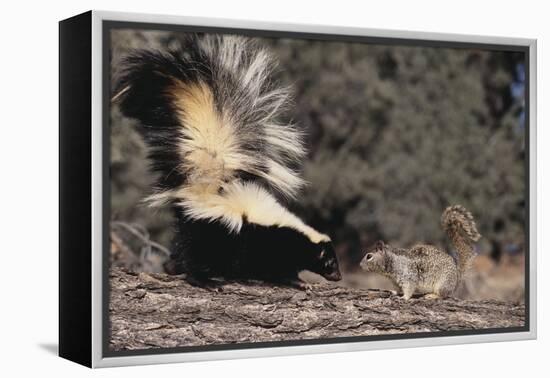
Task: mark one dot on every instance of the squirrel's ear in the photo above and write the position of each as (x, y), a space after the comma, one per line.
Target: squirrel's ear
(379, 244)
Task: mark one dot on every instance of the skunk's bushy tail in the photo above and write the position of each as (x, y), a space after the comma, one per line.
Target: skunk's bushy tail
(210, 113)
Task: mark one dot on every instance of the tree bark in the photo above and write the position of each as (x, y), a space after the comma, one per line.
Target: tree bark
(158, 310)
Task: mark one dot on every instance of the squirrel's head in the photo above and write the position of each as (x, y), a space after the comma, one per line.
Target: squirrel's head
(375, 258)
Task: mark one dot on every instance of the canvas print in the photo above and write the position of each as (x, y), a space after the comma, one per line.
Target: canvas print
(287, 189)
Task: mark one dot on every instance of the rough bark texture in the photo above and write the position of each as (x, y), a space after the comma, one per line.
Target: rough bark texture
(157, 310)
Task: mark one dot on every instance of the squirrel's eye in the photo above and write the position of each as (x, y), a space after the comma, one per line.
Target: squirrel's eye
(369, 256)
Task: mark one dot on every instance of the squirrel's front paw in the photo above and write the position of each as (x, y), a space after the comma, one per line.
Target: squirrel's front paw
(408, 292)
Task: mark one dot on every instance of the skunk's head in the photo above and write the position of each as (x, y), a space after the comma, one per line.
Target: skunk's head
(325, 262)
(375, 258)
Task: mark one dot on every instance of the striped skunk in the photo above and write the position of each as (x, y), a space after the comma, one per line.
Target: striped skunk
(209, 113)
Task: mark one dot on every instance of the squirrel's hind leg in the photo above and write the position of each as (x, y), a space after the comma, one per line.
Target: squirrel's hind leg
(432, 296)
(442, 289)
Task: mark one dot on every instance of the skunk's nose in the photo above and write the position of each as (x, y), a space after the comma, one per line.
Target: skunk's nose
(334, 276)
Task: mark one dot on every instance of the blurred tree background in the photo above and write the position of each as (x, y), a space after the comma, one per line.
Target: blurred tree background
(395, 134)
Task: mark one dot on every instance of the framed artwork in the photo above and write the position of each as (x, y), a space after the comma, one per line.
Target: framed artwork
(232, 189)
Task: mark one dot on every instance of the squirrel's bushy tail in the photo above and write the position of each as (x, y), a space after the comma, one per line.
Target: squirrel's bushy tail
(460, 227)
(210, 113)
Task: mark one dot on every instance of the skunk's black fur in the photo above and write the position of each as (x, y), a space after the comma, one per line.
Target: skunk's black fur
(270, 253)
(210, 114)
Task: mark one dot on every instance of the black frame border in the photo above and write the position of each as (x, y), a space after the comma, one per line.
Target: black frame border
(75, 188)
(108, 25)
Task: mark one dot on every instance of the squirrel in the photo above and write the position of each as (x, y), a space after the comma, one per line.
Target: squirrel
(426, 269)
(211, 113)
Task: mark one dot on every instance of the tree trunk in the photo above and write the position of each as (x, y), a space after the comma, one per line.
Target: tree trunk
(158, 310)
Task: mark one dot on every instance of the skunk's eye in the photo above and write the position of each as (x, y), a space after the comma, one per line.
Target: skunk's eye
(322, 254)
(330, 263)
(369, 256)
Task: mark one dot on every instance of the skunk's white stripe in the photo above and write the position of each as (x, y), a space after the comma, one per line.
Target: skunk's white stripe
(210, 146)
(239, 200)
(283, 177)
(285, 139)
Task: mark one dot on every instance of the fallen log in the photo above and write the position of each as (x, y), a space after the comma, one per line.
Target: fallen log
(161, 311)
